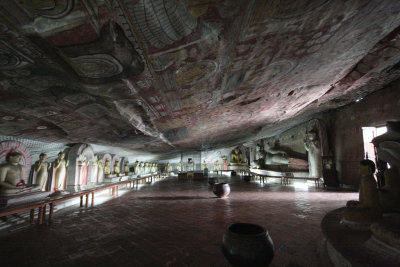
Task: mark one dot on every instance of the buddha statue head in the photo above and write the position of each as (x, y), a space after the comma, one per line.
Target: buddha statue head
(14, 158)
(367, 167)
(312, 135)
(61, 155)
(42, 157)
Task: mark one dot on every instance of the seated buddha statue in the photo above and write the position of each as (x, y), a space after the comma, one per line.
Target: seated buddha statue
(204, 165)
(117, 168)
(236, 157)
(389, 151)
(368, 209)
(11, 176)
(390, 193)
(107, 168)
(126, 167)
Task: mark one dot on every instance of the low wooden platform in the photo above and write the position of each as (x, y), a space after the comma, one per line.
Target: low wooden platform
(190, 174)
(286, 179)
(52, 201)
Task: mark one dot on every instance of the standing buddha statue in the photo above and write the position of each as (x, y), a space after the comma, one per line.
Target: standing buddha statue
(42, 168)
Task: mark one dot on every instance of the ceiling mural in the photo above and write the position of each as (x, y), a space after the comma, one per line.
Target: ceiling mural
(162, 75)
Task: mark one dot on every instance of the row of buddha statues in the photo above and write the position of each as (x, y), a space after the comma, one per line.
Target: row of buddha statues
(13, 178)
(113, 171)
(215, 167)
(144, 168)
(12, 174)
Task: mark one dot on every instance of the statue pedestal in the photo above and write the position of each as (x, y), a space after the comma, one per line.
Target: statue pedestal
(237, 167)
(11, 199)
(344, 246)
(114, 179)
(124, 178)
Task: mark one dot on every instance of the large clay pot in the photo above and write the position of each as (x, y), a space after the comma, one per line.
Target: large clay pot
(221, 190)
(245, 244)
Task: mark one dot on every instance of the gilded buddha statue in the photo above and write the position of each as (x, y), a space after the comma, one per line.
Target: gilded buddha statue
(204, 165)
(236, 156)
(107, 167)
(117, 168)
(368, 209)
(126, 167)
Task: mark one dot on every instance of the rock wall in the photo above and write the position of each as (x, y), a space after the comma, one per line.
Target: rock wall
(374, 110)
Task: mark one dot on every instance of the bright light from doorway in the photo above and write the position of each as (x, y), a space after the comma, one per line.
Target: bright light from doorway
(370, 133)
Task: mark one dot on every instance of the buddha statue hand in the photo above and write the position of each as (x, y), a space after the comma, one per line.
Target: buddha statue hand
(21, 184)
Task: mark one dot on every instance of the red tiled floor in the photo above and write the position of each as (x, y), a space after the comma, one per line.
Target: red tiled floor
(176, 223)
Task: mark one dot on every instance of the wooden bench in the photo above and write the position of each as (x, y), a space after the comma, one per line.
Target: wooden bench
(24, 207)
(285, 179)
(53, 201)
(221, 171)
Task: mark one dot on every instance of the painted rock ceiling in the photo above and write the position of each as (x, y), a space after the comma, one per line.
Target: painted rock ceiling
(159, 75)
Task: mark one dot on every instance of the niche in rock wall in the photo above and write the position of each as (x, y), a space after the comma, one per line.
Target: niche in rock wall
(124, 166)
(104, 166)
(81, 166)
(116, 164)
(191, 161)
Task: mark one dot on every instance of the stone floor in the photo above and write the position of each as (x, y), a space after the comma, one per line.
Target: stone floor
(176, 223)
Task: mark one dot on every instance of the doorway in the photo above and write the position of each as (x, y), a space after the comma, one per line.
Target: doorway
(370, 133)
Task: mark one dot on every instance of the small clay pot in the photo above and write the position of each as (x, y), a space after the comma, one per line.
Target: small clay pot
(245, 244)
(212, 181)
(221, 190)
